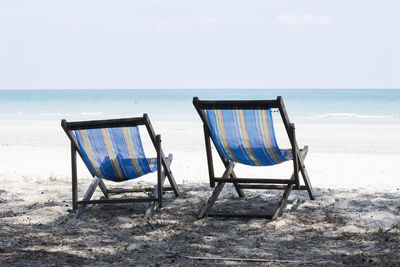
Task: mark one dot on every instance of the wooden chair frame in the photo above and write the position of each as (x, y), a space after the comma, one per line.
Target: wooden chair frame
(229, 176)
(163, 169)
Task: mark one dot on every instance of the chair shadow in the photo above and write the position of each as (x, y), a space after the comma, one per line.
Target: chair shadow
(117, 234)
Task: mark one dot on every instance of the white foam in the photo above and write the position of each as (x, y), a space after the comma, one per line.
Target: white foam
(353, 115)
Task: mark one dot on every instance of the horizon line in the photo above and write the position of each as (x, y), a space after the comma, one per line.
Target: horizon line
(314, 88)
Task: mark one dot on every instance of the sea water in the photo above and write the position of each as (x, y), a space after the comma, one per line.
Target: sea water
(310, 105)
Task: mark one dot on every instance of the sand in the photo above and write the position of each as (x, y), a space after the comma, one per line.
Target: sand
(355, 220)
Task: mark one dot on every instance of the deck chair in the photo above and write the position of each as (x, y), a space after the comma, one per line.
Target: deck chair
(243, 132)
(112, 150)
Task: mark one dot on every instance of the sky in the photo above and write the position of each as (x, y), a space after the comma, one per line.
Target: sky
(85, 44)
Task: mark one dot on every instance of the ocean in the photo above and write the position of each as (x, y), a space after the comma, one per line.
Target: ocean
(309, 105)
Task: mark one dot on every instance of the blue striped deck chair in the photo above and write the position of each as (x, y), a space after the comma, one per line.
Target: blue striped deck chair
(242, 132)
(112, 150)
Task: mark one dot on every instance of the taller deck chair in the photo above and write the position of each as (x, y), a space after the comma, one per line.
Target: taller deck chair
(112, 150)
(242, 132)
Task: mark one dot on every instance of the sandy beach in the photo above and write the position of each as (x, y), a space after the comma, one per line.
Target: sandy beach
(330, 67)
(355, 219)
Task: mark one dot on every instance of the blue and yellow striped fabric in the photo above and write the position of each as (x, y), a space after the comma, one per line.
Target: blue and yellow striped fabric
(246, 136)
(114, 153)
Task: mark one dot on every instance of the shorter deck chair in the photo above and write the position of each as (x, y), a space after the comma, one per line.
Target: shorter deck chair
(112, 150)
(243, 132)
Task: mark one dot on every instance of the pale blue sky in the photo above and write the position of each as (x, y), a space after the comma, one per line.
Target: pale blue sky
(199, 44)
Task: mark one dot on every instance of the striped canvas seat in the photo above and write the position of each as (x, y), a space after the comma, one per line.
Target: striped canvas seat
(114, 153)
(246, 136)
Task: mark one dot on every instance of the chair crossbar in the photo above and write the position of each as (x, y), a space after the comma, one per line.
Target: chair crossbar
(122, 200)
(236, 104)
(254, 180)
(97, 124)
(123, 190)
(272, 186)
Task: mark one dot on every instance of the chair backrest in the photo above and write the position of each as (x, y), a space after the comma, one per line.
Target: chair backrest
(111, 149)
(244, 134)
(114, 153)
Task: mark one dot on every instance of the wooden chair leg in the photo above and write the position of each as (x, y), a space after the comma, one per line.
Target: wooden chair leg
(238, 189)
(282, 202)
(103, 188)
(74, 179)
(169, 175)
(159, 169)
(217, 190)
(150, 209)
(233, 176)
(88, 195)
(288, 190)
(304, 173)
(163, 159)
(307, 183)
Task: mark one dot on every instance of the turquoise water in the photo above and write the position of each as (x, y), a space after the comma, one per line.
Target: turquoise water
(313, 105)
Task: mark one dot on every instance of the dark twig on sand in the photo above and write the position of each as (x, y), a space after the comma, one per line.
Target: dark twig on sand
(246, 259)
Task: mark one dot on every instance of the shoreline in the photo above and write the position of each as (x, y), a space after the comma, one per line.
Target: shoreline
(340, 154)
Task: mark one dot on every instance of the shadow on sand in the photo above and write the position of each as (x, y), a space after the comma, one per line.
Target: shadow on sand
(309, 232)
